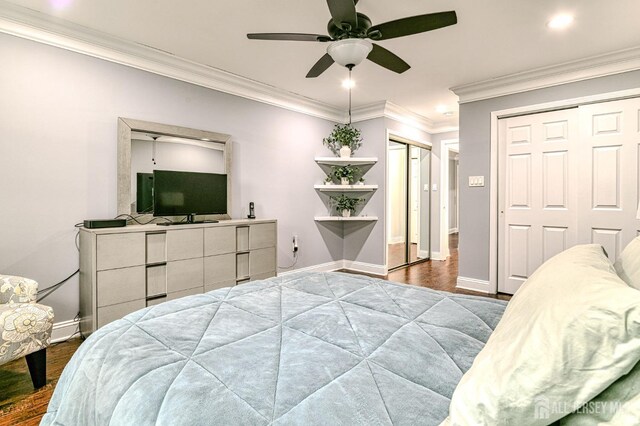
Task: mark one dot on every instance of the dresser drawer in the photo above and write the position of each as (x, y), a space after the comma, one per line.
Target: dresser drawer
(114, 312)
(262, 235)
(219, 240)
(262, 261)
(219, 268)
(185, 274)
(120, 250)
(185, 244)
(221, 284)
(120, 285)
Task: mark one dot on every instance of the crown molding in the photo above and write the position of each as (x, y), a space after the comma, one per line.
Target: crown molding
(583, 69)
(395, 112)
(32, 25)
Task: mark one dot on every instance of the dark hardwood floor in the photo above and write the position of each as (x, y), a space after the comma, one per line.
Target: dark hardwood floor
(437, 274)
(21, 405)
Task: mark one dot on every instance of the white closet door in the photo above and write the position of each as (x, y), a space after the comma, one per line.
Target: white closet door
(609, 178)
(537, 175)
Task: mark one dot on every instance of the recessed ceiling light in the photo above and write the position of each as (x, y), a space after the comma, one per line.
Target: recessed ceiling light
(60, 4)
(444, 110)
(348, 83)
(560, 22)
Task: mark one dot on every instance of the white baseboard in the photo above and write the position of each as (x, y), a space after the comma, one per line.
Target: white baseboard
(367, 268)
(436, 255)
(453, 230)
(473, 284)
(322, 267)
(423, 254)
(63, 330)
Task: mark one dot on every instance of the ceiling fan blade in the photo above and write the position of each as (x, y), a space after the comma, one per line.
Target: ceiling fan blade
(390, 61)
(343, 13)
(321, 66)
(289, 37)
(412, 25)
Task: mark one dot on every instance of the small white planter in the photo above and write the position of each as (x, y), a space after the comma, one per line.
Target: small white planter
(328, 182)
(360, 183)
(345, 152)
(346, 213)
(344, 181)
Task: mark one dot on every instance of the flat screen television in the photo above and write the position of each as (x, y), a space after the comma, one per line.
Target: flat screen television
(144, 193)
(188, 193)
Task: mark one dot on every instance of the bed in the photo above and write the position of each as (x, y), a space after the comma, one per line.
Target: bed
(308, 348)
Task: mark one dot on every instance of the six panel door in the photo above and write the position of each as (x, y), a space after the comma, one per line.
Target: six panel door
(566, 177)
(537, 181)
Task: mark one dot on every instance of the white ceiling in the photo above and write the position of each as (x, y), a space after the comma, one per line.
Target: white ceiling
(492, 38)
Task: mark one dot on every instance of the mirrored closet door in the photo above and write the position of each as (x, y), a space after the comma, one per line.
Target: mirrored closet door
(408, 203)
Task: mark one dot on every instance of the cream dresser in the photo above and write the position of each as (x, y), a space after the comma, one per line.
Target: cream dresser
(126, 269)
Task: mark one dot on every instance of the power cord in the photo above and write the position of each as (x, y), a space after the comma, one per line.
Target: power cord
(295, 258)
(47, 291)
(135, 219)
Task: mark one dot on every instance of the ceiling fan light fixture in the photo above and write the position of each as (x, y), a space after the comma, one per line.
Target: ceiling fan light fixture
(350, 51)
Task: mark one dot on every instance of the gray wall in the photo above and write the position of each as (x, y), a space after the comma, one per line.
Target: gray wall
(58, 115)
(364, 242)
(475, 126)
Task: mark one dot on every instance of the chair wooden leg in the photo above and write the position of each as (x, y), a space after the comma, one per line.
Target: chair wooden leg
(37, 363)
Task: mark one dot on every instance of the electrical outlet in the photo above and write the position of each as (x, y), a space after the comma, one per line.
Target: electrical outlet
(295, 243)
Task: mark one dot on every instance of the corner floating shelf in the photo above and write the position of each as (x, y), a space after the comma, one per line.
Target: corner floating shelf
(345, 219)
(346, 188)
(365, 163)
(353, 161)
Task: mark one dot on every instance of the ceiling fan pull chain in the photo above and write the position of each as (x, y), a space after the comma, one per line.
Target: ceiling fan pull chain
(350, 85)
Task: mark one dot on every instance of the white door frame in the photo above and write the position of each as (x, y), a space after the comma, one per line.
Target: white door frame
(445, 145)
(411, 140)
(511, 112)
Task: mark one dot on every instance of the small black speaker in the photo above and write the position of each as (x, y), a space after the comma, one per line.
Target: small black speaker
(104, 223)
(252, 213)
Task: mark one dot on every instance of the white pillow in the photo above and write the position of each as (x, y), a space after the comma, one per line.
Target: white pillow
(628, 265)
(570, 331)
(619, 404)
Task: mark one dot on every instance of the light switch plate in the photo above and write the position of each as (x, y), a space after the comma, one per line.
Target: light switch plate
(435, 187)
(476, 180)
(426, 187)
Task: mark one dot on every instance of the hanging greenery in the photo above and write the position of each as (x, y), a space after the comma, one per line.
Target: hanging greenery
(343, 135)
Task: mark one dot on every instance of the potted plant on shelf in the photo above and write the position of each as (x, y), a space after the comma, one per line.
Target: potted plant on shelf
(361, 181)
(344, 173)
(345, 205)
(343, 140)
(328, 180)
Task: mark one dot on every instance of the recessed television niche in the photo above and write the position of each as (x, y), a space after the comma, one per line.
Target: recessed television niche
(190, 162)
(174, 193)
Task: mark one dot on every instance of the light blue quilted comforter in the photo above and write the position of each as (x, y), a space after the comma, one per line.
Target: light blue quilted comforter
(309, 348)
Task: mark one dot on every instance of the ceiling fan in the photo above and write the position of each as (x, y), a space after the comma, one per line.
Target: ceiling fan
(350, 31)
